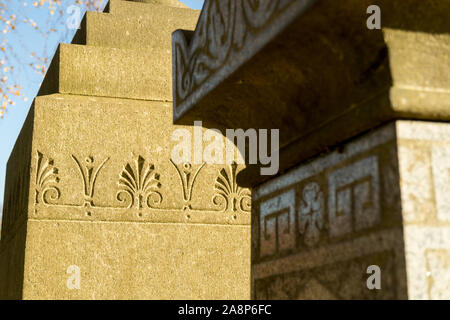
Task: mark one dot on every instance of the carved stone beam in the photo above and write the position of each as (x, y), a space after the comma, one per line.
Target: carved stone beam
(311, 68)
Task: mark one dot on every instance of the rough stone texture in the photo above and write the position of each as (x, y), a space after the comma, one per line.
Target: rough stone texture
(12, 260)
(382, 200)
(172, 3)
(123, 54)
(146, 29)
(136, 260)
(279, 69)
(91, 183)
(110, 72)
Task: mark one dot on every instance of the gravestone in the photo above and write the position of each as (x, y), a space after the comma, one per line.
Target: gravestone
(359, 208)
(95, 207)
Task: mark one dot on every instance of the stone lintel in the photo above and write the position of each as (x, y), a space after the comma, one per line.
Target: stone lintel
(313, 70)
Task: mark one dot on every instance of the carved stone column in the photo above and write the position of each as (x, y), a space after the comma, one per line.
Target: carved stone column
(382, 200)
(92, 188)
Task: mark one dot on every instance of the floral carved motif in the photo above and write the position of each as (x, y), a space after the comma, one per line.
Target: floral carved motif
(89, 173)
(47, 180)
(228, 194)
(139, 184)
(188, 175)
(139, 187)
(311, 213)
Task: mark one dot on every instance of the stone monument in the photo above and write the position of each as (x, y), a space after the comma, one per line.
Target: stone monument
(362, 195)
(95, 207)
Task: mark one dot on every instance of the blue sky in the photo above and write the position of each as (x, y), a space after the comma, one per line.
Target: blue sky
(25, 41)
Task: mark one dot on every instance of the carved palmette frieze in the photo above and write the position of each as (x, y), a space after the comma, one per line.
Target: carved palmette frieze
(139, 189)
(188, 175)
(139, 185)
(229, 196)
(47, 191)
(89, 173)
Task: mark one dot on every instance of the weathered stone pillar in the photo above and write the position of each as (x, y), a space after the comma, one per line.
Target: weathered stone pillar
(92, 187)
(381, 200)
(363, 114)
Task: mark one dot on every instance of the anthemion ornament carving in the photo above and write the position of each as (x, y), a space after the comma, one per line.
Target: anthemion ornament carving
(229, 195)
(228, 33)
(188, 174)
(89, 173)
(139, 186)
(47, 180)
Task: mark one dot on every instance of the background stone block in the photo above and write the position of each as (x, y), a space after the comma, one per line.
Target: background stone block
(313, 69)
(135, 26)
(381, 200)
(110, 72)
